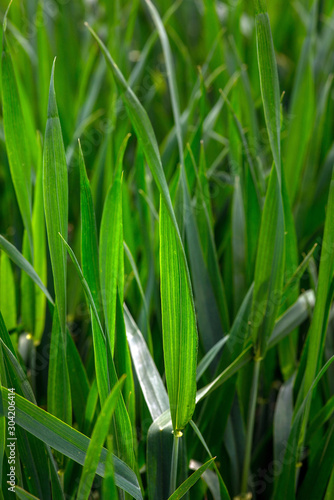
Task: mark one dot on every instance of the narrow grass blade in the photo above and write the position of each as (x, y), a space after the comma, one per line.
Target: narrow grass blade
(27, 293)
(7, 292)
(99, 435)
(39, 237)
(269, 81)
(223, 492)
(185, 487)
(89, 248)
(269, 268)
(23, 494)
(68, 441)
(55, 191)
(15, 133)
(23, 264)
(231, 370)
(179, 326)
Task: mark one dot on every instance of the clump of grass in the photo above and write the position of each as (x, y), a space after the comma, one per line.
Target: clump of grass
(198, 366)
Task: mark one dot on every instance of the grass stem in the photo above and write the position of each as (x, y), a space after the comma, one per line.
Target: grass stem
(250, 426)
(175, 456)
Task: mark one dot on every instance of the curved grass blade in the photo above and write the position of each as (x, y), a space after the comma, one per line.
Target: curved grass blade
(99, 435)
(224, 495)
(23, 494)
(106, 373)
(55, 191)
(23, 264)
(185, 487)
(68, 441)
(144, 133)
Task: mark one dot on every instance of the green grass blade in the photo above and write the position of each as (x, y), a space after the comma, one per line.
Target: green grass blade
(285, 486)
(7, 292)
(185, 487)
(179, 326)
(159, 456)
(23, 494)
(27, 293)
(39, 237)
(269, 268)
(55, 191)
(111, 243)
(15, 133)
(269, 81)
(68, 441)
(148, 376)
(89, 247)
(59, 390)
(99, 435)
(23, 264)
(143, 129)
(317, 330)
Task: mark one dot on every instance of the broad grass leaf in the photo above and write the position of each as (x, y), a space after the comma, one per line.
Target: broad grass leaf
(68, 441)
(111, 244)
(147, 373)
(179, 326)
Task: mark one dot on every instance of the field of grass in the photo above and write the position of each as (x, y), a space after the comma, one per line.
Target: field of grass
(167, 250)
